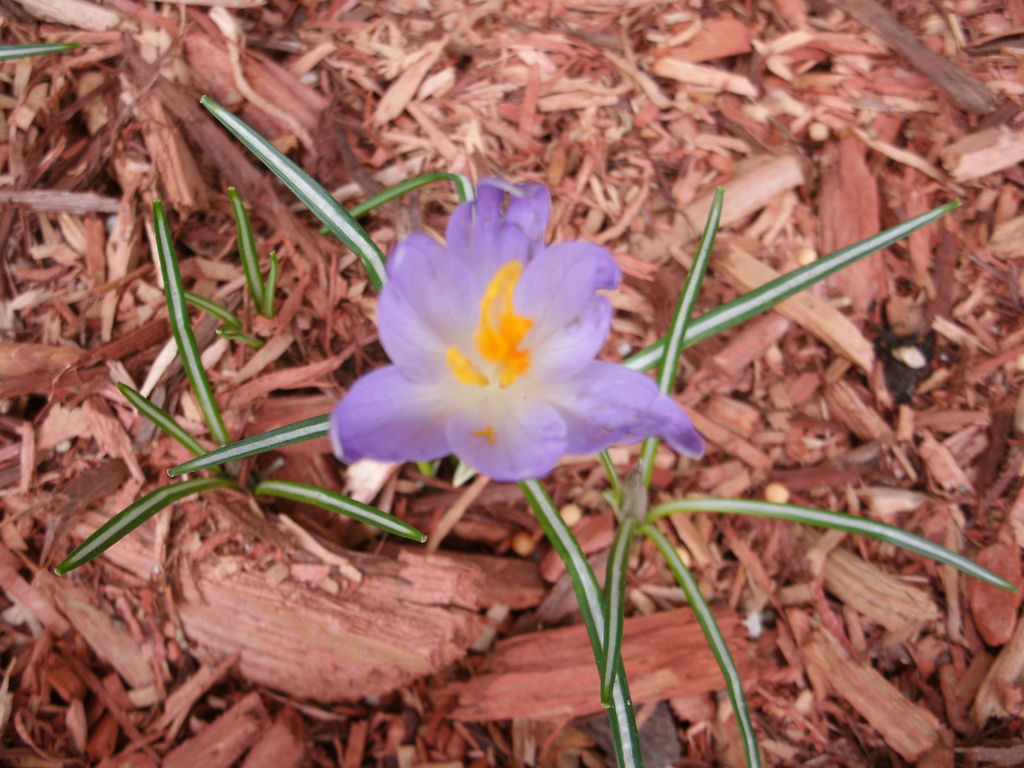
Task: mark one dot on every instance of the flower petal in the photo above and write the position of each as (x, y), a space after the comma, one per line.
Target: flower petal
(570, 322)
(428, 304)
(564, 354)
(607, 404)
(521, 442)
(484, 237)
(529, 208)
(387, 417)
(560, 282)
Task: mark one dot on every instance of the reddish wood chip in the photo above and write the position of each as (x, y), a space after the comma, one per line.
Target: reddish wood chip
(994, 609)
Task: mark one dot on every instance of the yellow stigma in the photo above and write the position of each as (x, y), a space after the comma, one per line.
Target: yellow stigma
(463, 369)
(498, 338)
(501, 329)
(488, 433)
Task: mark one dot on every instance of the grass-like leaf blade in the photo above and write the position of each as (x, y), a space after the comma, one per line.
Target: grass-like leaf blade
(613, 477)
(768, 295)
(842, 522)
(8, 52)
(681, 320)
(182, 328)
(615, 599)
(271, 286)
(240, 336)
(591, 600)
(335, 502)
(713, 634)
(313, 196)
(247, 249)
(307, 429)
(226, 316)
(134, 515)
(463, 187)
(162, 419)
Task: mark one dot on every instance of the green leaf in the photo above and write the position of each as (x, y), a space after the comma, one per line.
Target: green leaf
(271, 286)
(335, 502)
(162, 419)
(613, 477)
(230, 319)
(313, 196)
(462, 185)
(182, 328)
(240, 336)
(591, 601)
(706, 619)
(842, 522)
(8, 52)
(247, 250)
(134, 515)
(768, 295)
(428, 468)
(681, 320)
(615, 600)
(308, 429)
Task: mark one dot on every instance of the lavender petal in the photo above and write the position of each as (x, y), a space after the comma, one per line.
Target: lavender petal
(387, 417)
(481, 235)
(528, 439)
(528, 209)
(428, 304)
(564, 354)
(607, 404)
(560, 282)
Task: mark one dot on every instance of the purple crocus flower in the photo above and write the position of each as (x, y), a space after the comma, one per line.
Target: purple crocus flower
(493, 339)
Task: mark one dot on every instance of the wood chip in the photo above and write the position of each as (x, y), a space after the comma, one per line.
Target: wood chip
(849, 213)
(704, 76)
(995, 610)
(73, 13)
(281, 746)
(182, 182)
(848, 406)
(54, 200)
(17, 359)
(729, 441)
(805, 309)
(963, 89)
(226, 739)
(1000, 692)
(107, 636)
(897, 606)
(266, 355)
(402, 90)
(180, 702)
(551, 674)
(908, 728)
(944, 470)
(757, 183)
(36, 601)
(717, 38)
(983, 153)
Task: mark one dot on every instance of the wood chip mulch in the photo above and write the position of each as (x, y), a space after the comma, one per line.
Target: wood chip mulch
(226, 633)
